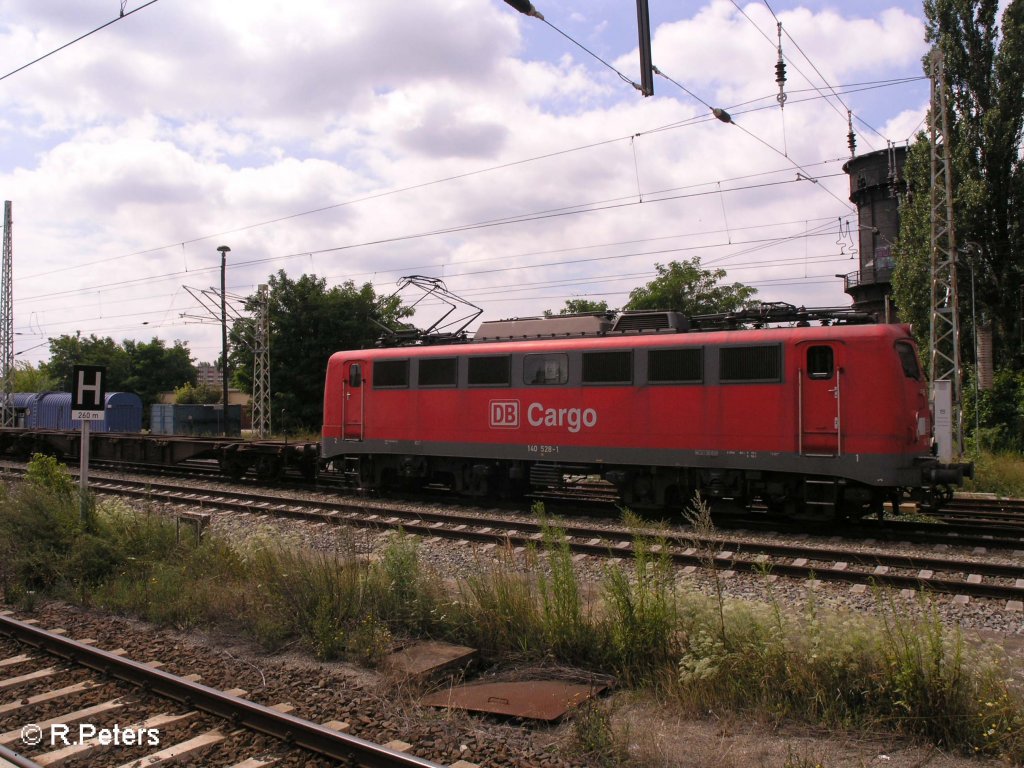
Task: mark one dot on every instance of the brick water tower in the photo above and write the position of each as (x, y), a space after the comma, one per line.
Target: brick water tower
(876, 187)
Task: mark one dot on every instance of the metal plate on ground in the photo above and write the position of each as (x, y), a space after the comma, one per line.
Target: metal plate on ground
(422, 660)
(531, 700)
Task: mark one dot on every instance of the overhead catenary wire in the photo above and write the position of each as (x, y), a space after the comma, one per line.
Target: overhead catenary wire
(732, 110)
(507, 220)
(727, 118)
(833, 91)
(825, 229)
(526, 7)
(123, 15)
(539, 216)
(504, 291)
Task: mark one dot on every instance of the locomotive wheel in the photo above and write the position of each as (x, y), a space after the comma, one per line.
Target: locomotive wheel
(674, 500)
(778, 506)
(938, 497)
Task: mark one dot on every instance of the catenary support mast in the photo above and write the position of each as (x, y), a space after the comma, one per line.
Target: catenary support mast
(7, 324)
(261, 366)
(944, 337)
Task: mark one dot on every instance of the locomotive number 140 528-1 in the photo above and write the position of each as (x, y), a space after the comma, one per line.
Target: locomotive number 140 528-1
(542, 449)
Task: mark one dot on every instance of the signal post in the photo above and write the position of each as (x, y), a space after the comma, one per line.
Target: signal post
(88, 398)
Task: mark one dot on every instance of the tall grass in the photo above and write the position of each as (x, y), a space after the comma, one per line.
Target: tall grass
(997, 472)
(895, 672)
(641, 614)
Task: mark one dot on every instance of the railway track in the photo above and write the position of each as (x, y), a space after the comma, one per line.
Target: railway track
(64, 700)
(983, 511)
(971, 533)
(966, 577)
(969, 522)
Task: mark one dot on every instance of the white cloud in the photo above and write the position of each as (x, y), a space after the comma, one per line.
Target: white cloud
(186, 124)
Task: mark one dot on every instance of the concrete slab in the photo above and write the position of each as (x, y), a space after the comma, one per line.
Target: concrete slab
(420, 661)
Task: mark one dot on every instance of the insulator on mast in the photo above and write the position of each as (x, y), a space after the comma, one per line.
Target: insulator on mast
(780, 72)
(893, 175)
(851, 137)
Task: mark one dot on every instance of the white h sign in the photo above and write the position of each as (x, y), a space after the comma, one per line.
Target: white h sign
(88, 393)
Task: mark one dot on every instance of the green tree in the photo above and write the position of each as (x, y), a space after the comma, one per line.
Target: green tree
(579, 307)
(687, 287)
(308, 322)
(68, 351)
(154, 367)
(983, 61)
(191, 394)
(29, 378)
(911, 279)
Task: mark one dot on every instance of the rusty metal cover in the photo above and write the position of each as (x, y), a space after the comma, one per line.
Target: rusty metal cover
(422, 660)
(532, 699)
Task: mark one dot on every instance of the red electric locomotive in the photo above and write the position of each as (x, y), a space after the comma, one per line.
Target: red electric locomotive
(826, 421)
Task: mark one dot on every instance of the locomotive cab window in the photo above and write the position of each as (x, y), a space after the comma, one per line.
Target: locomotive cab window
(490, 371)
(438, 372)
(355, 375)
(820, 362)
(608, 367)
(546, 369)
(390, 374)
(908, 360)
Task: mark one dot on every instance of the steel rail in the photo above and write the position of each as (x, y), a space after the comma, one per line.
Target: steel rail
(420, 521)
(240, 712)
(8, 756)
(697, 550)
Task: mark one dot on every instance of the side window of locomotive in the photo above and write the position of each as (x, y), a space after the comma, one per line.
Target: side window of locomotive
(355, 375)
(761, 363)
(546, 369)
(908, 360)
(820, 362)
(437, 372)
(490, 371)
(608, 367)
(390, 374)
(675, 366)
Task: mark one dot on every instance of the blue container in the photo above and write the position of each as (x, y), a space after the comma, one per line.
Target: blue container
(52, 410)
(194, 419)
(22, 402)
(124, 412)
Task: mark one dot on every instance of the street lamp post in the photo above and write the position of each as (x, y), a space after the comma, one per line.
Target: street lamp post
(224, 331)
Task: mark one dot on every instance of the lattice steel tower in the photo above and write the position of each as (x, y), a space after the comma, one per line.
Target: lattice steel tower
(7, 324)
(944, 328)
(261, 366)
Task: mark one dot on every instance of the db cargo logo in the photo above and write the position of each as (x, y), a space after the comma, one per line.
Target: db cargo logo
(504, 414)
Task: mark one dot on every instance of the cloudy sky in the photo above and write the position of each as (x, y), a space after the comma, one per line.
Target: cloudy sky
(459, 139)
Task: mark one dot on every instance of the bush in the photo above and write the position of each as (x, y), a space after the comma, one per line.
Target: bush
(48, 474)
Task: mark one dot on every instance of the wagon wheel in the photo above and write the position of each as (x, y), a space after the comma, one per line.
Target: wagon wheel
(269, 468)
(308, 468)
(233, 466)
